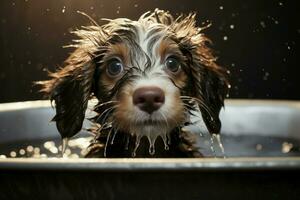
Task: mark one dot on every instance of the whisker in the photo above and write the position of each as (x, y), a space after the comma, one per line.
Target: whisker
(105, 103)
(165, 118)
(107, 111)
(200, 102)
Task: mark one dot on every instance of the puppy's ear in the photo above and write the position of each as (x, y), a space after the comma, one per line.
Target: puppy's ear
(207, 81)
(214, 88)
(209, 86)
(71, 88)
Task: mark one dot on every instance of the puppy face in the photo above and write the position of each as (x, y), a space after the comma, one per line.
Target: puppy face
(147, 75)
(148, 68)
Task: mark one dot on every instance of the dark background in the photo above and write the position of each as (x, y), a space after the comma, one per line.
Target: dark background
(258, 41)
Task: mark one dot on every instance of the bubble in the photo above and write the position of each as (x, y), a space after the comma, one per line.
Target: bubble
(53, 150)
(286, 147)
(73, 156)
(136, 5)
(22, 152)
(43, 156)
(231, 26)
(29, 148)
(225, 38)
(64, 9)
(13, 154)
(49, 144)
(258, 147)
(221, 7)
(36, 150)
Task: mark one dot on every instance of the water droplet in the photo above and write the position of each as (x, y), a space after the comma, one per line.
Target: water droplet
(225, 38)
(218, 137)
(262, 23)
(64, 9)
(280, 3)
(118, 9)
(151, 149)
(212, 147)
(92, 7)
(165, 140)
(231, 26)
(221, 7)
(136, 5)
(137, 144)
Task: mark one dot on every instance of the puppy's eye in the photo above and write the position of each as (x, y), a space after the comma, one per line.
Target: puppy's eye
(114, 68)
(172, 64)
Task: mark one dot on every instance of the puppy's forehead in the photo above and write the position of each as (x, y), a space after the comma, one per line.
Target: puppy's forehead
(145, 41)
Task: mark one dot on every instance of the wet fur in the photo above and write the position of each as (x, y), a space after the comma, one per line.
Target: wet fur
(203, 87)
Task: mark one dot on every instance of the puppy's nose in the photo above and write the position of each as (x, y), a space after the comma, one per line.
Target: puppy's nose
(148, 99)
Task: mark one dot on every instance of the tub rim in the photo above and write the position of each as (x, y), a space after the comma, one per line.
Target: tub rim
(144, 164)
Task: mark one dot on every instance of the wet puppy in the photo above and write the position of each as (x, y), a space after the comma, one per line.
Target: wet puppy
(148, 76)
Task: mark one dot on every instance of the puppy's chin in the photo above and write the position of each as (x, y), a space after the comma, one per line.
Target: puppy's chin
(152, 130)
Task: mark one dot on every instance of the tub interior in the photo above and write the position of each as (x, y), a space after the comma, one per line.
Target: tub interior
(249, 129)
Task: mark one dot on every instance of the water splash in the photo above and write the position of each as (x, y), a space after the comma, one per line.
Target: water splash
(212, 146)
(64, 146)
(217, 137)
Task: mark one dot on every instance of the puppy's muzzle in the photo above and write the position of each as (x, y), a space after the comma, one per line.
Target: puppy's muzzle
(148, 99)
